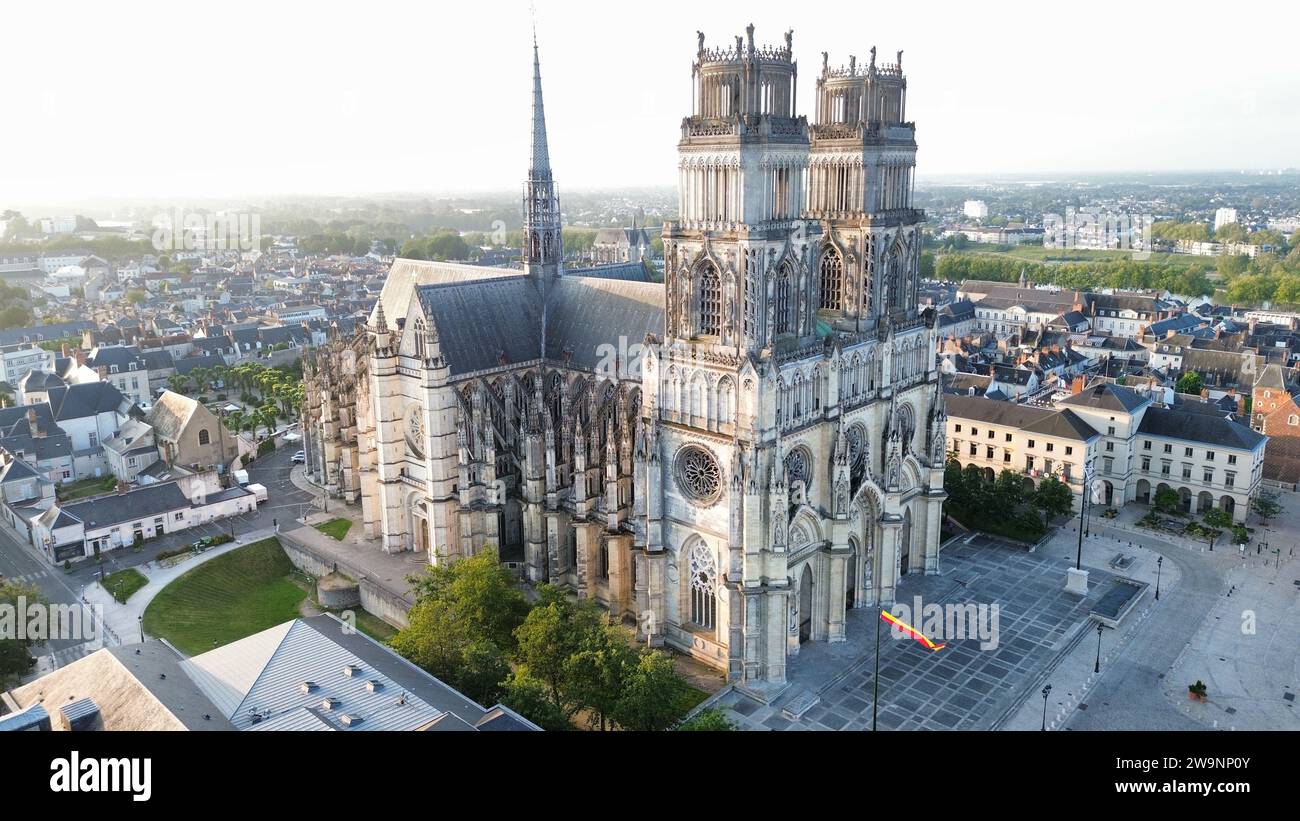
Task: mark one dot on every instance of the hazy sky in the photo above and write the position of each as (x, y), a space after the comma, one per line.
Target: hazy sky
(167, 99)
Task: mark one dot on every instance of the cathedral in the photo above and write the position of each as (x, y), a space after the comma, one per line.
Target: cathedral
(732, 459)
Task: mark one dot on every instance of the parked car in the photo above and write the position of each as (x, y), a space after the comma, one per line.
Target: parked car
(300, 457)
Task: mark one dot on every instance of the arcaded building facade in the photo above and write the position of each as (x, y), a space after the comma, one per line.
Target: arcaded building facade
(734, 458)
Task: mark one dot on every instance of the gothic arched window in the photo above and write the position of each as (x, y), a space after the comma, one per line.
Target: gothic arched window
(419, 339)
(710, 301)
(704, 572)
(781, 300)
(751, 307)
(832, 278)
(204, 437)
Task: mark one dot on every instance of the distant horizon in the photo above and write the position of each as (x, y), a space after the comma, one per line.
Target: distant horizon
(955, 179)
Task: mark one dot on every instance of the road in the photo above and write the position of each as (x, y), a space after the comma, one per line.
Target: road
(1129, 694)
(285, 502)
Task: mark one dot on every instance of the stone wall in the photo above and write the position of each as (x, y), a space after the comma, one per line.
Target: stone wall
(375, 598)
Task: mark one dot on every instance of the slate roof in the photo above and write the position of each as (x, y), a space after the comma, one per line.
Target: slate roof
(17, 470)
(484, 324)
(1206, 428)
(141, 503)
(1063, 424)
(1107, 396)
(40, 381)
(158, 360)
(40, 332)
(584, 313)
(87, 399)
(497, 321)
(188, 363)
(631, 271)
(121, 357)
(39, 448)
(13, 420)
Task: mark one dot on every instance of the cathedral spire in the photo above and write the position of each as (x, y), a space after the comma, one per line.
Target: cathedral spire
(540, 167)
(543, 250)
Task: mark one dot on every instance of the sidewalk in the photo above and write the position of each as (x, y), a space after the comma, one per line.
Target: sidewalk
(363, 555)
(1071, 675)
(1247, 651)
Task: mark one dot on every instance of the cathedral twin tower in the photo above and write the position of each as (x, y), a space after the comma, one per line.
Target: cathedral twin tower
(798, 376)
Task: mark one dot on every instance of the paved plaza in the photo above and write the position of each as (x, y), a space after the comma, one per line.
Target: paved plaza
(960, 687)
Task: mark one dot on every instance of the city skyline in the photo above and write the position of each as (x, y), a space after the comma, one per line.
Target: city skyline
(366, 106)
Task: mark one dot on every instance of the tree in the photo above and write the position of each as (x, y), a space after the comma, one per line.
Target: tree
(1191, 383)
(481, 593)
(654, 694)
(15, 316)
(459, 621)
(136, 297)
(711, 720)
(1215, 518)
(1054, 498)
(1167, 500)
(178, 382)
(553, 632)
(15, 656)
(597, 672)
(1266, 505)
(530, 698)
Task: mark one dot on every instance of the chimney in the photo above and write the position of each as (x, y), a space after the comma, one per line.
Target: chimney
(102, 370)
(65, 351)
(81, 356)
(1076, 387)
(31, 422)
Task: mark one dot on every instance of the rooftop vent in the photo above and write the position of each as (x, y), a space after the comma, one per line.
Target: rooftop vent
(328, 703)
(374, 685)
(80, 715)
(350, 670)
(307, 686)
(350, 720)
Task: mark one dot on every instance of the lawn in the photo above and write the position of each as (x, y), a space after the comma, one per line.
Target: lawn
(87, 487)
(373, 626)
(227, 598)
(336, 528)
(123, 583)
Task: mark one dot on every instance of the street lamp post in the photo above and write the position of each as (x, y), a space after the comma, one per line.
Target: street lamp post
(1083, 513)
(1046, 692)
(1159, 562)
(1097, 667)
(141, 618)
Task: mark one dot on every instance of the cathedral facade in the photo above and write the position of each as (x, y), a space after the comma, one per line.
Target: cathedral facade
(734, 458)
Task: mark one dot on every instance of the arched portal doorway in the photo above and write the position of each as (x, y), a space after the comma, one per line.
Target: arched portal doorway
(851, 574)
(1110, 494)
(1229, 505)
(1143, 492)
(805, 605)
(1204, 502)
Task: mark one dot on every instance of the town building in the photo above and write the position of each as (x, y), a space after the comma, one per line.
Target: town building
(1137, 445)
(309, 674)
(189, 435)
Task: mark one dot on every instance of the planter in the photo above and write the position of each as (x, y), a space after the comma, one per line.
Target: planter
(1194, 696)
